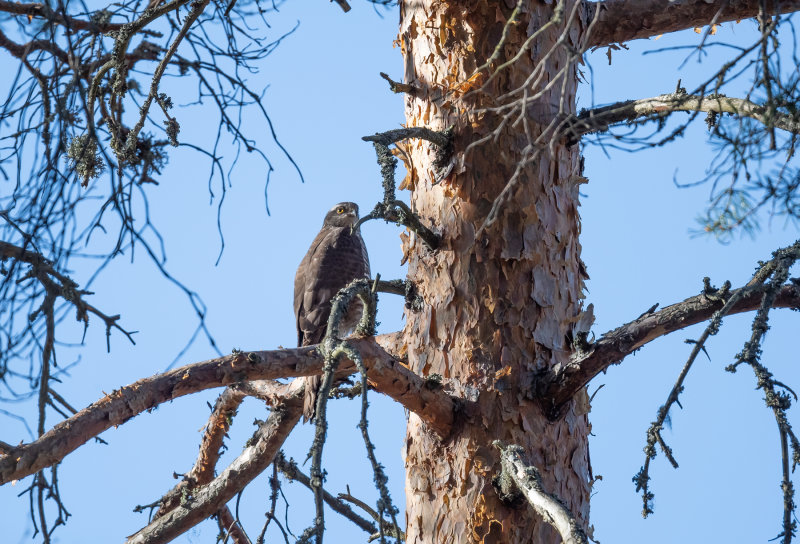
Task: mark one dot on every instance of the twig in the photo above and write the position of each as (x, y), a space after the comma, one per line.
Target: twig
(391, 209)
(275, 487)
(130, 146)
(334, 349)
(779, 402)
(290, 470)
(780, 264)
(64, 287)
(45, 12)
(389, 529)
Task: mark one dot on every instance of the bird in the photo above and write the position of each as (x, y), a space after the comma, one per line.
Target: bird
(336, 257)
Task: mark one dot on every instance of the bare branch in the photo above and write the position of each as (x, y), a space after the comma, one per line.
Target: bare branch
(563, 382)
(207, 500)
(441, 139)
(290, 470)
(599, 119)
(517, 473)
(63, 286)
(45, 12)
(624, 20)
(386, 372)
(397, 211)
(389, 529)
(210, 447)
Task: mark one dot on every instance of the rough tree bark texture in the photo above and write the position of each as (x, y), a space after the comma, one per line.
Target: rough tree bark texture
(501, 305)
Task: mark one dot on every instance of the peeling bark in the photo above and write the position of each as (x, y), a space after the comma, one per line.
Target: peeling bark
(500, 305)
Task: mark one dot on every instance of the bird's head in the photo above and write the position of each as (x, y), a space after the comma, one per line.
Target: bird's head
(344, 214)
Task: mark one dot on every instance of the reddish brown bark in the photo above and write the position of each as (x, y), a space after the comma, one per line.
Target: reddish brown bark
(499, 305)
(388, 375)
(254, 459)
(624, 20)
(615, 345)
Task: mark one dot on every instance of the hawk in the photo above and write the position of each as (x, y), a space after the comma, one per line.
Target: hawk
(336, 257)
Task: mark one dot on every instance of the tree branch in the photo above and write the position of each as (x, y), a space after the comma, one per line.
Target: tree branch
(255, 458)
(45, 12)
(63, 286)
(231, 527)
(210, 446)
(386, 372)
(21, 51)
(560, 384)
(290, 470)
(599, 119)
(518, 475)
(624, 20)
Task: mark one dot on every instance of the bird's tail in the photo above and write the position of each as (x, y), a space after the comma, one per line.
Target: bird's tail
(310, 397)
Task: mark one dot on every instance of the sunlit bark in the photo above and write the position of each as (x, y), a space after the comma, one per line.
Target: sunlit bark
(502, 303)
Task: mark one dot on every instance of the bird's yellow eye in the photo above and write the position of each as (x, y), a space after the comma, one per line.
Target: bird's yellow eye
(339, 210)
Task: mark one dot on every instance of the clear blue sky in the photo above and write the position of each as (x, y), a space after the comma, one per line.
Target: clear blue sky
(324, 95)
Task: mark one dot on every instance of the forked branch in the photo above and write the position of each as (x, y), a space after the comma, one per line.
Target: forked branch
(392, 209)
(206, 500)
(561, 383)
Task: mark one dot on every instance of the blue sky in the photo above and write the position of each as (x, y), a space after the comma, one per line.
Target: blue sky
(324, 94)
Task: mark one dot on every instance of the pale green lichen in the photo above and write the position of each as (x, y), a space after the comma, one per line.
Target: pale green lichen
(84, 158)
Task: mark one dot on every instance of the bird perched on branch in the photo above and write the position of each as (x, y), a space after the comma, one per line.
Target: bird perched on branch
(336, 257)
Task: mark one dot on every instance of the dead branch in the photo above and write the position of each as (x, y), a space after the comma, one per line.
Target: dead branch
(771, 275)
(442, 139)
(624, 20)
(206, 500)
(61, 285)
(392, 209)
(197, 8)
(599, 119)
(44, 11)
(290, 470)
(231, 527)
(520, 477)
(563, 382)
(389, 529)
(210, 447)
(397, 87)
(386, 372)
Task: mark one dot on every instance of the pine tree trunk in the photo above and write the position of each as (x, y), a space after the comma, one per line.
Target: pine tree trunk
(501, 306)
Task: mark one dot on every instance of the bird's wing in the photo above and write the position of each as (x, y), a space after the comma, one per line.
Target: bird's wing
(334, 259)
